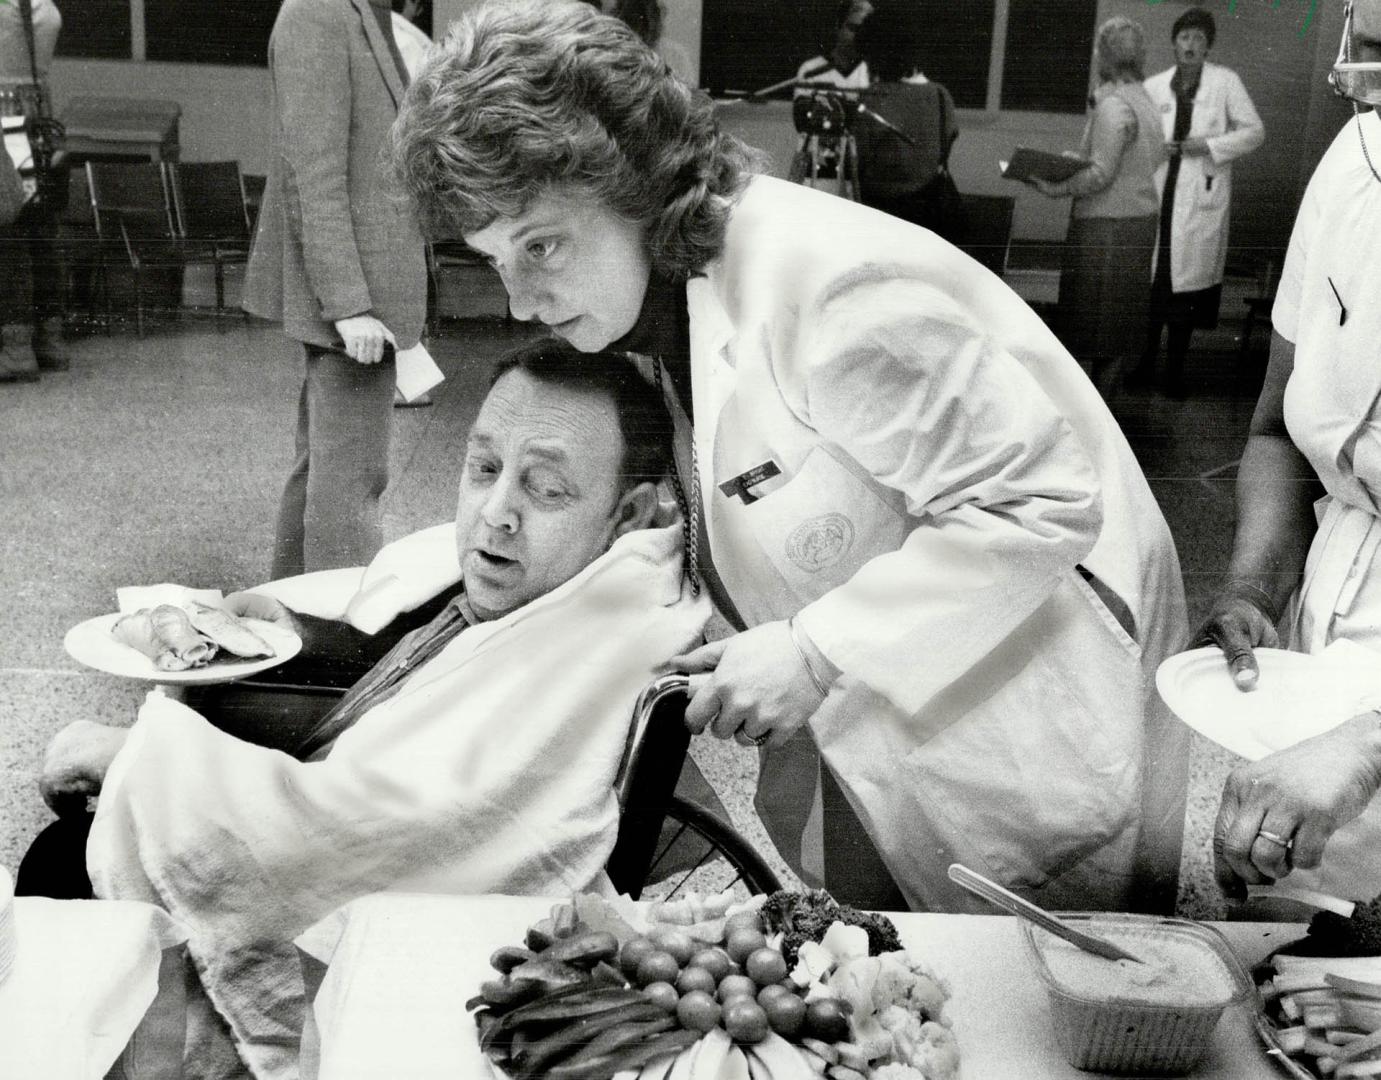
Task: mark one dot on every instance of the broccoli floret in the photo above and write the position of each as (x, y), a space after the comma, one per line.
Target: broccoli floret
(805, 916)
(781, 910)
(1333, 935)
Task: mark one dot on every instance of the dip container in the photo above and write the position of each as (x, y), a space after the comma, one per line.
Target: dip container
(1112, 1029)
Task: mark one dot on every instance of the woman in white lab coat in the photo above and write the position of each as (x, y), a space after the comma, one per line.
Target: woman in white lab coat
(950, 576)
(1208, 121)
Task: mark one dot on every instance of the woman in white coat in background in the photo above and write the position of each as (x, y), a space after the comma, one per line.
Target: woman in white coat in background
(1209, 121)
(950, 577)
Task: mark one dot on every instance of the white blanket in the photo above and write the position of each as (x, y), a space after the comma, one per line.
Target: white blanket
(491, 770)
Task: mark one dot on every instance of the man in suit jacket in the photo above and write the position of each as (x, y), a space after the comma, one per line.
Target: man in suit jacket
(339, 261)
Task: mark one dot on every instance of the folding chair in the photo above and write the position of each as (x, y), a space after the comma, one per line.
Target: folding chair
(81, 246)
(447, 257)
(1258, 309)
(134, 210)
(986, 232)
(212, 216)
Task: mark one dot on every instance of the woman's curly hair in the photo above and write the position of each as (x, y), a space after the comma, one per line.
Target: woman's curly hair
(1119, 48)
(525, 96)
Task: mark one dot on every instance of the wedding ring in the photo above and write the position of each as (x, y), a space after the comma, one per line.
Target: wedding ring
(759, 740)
(1275, 838)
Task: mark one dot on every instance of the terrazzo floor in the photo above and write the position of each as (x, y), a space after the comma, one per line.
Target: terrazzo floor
(160, 459)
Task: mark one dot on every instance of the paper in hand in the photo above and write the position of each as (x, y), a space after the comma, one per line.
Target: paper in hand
(415, 372)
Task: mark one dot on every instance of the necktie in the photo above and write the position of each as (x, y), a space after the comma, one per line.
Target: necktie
(386, 677)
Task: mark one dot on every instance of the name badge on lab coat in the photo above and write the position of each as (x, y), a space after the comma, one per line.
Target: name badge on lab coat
(741, 486)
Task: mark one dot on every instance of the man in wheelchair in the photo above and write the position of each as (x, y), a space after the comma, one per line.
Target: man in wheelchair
(478, 756)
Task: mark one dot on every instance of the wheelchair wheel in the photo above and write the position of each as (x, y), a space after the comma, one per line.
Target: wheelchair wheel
(698, 852)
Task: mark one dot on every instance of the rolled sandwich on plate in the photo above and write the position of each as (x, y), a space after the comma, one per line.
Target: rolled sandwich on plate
(228, 632)
(176, 641)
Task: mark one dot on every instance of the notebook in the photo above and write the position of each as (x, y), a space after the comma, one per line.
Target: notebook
(1027, 163)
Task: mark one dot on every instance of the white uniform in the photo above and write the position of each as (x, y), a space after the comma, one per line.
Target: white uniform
(412, 44)
(943, 468)
(1226, 118)
(1333, 413)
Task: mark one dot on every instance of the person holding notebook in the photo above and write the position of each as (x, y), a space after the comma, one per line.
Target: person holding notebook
(1112, 228)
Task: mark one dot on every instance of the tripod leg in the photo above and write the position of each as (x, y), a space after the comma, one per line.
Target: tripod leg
(848, 168)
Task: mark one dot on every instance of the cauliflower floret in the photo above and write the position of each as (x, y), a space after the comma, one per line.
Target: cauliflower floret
(902, 980)
(926, 1046)
(897, 1072)
(853, 981)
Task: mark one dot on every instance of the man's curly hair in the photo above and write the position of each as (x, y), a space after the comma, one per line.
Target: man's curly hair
(528, 96)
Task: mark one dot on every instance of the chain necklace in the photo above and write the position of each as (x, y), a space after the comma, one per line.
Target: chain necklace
(690, 508)
(1363, 140)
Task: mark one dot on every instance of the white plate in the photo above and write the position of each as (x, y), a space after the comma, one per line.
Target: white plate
(92, 644)
(1298, 696)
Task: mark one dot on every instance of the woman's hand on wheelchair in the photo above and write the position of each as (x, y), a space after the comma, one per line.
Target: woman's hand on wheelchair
(759, 692)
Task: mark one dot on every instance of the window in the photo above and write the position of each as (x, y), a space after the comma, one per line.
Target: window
(1030, 55)
(209, 31)
(1049, 46)
(956, 47)
(95, 29)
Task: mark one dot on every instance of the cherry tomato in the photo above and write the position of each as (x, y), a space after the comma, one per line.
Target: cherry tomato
(786, 1013)
(765, 966)
(632, 953)
(770, 993)
(825, 1020)
(677, 942)
(714, 960)
(696, 978)
(697, 1011)
(737, 986)
(743, 942)
(663, 995)
(745, 1021)
(658, 966)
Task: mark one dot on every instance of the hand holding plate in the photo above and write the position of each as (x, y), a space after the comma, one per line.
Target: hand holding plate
(1278, 813)
(1239, 623)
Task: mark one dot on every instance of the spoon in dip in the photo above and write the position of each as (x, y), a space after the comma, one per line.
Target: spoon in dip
(1009, 901)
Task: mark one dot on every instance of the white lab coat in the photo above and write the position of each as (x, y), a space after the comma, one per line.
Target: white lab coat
(944, 467)
(1226, 118)
(1333, 413)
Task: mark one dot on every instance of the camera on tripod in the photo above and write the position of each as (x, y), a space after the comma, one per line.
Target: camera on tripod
(822, 112)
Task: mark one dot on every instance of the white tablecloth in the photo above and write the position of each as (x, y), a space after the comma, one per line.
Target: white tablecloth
(85, 974)
(392, 1000)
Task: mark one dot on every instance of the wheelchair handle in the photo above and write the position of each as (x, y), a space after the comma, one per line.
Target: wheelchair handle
(676, 682)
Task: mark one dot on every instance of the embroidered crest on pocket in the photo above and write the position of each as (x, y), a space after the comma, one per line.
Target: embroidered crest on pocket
(820, 542)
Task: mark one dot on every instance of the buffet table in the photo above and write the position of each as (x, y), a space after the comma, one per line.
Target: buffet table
(93, 982)
(399, 969)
